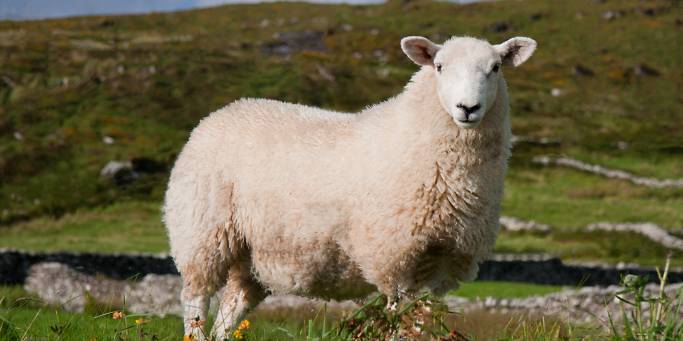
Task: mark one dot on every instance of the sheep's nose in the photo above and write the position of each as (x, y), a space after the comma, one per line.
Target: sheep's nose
(469, 110)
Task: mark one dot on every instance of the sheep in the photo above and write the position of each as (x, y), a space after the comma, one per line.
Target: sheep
(270, 197)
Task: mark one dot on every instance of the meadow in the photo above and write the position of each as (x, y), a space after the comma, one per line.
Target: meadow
(77, 93)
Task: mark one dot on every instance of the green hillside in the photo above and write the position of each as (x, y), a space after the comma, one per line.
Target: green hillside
(77, 93)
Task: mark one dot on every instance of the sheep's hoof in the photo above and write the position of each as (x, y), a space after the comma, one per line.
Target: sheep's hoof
(392, 305)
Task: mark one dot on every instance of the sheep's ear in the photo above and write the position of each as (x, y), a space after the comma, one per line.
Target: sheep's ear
(516, 51)
(420, 50)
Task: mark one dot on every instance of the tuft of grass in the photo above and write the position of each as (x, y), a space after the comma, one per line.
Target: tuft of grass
(379, 318)
(663, 320)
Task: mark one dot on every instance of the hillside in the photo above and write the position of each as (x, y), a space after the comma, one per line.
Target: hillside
(604, 87)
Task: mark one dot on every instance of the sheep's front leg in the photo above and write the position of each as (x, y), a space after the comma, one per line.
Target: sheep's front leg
(394, 299)
(195, 307)
(241, 294)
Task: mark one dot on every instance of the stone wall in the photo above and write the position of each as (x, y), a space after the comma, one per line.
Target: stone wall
(14, 266)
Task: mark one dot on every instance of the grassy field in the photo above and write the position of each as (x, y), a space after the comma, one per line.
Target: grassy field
(77, 93)
(135, 226)
(145, 81)
(26, 316)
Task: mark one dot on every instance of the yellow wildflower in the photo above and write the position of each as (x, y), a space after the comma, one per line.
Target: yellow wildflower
(189, 337)
(117, 315)
(244, 324)
(237, 335)
(140, 321)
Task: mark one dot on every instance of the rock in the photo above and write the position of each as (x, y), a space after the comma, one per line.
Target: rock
(643, 69)
(120, 172)
(125, 172)
(156, 294)
(588, 304)
(147, 165)
(108, 140)
(611, 15)
(8, 81)
(290, 42)
(650, 230)
(58, 284)
(555, 92)
(610, 173)
(536, 16)
(648, 11)
(325, 74)
(380, 55)
(113, 167)
(581, 70)
(383, 72)
(18, 136)
(499, 27)
(541, 142)
(517, 225)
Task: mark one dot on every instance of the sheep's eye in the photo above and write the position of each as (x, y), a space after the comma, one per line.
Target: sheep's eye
(495, 67)
(438, 67)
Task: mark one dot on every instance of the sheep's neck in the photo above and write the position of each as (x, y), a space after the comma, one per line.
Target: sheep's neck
(458, 149)
(451, 195)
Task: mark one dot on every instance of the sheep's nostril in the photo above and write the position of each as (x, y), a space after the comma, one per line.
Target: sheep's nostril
(469, 110)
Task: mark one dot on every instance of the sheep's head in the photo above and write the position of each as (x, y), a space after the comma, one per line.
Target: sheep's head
(467, 71)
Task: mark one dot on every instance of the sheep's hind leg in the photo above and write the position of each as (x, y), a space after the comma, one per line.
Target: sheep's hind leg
(202, 276)
(241, 294)
(195, 307)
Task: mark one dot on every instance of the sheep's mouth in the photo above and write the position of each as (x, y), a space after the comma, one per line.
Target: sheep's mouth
(467, 124)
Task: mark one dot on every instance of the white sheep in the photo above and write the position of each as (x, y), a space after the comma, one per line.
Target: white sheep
(271, 197)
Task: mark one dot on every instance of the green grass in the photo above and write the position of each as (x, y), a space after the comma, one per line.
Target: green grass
(136, 227)
(25, 316)
(124, 227)
(607, 247)
(567, 198)
(484, 289)
(148, 95)
(52, 197)
(112, 92)
(55, 323)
